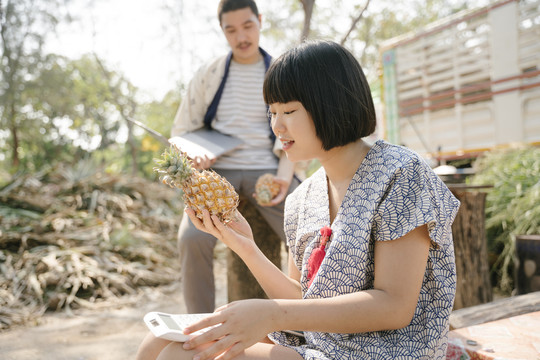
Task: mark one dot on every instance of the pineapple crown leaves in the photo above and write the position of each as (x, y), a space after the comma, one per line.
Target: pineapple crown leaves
(173, 167)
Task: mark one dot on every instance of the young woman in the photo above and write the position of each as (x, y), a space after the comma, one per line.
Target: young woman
(371, 270)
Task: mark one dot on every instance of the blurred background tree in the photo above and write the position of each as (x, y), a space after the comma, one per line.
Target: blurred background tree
(359, 25)
(53, 108)
(21, 59)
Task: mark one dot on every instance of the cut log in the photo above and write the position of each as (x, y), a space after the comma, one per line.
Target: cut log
(495, 310)
(470, 246)
(241, 284)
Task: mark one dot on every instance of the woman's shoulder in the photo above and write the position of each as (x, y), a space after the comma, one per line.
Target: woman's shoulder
(396, 165)
(396, 155)
(397, 160)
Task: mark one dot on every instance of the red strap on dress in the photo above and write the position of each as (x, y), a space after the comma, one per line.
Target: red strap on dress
(317, 255)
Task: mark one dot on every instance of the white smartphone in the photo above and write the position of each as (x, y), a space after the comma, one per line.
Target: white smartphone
(171, 326)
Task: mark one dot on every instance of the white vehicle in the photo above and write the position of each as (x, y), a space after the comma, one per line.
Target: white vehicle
(465, 84)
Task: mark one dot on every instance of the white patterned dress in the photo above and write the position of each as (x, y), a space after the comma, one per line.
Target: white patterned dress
(392, 192)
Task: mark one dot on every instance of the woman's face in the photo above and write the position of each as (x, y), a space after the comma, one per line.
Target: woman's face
(294, 127)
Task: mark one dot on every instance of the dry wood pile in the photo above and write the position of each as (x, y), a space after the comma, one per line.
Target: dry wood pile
(72, 238)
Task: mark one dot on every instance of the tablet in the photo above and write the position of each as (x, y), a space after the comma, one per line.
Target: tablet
(207, 142)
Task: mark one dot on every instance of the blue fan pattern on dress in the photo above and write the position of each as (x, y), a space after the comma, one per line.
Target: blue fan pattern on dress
(392, 192)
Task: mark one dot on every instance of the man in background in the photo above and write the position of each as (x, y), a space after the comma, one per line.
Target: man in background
(226, 95)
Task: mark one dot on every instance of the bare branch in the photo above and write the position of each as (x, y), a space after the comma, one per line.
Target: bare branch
(1, 17)
(123, 113)
(308, 6)
(354, 22)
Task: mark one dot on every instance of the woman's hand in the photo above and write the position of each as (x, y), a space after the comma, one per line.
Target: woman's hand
(239, 325)
(237, 234)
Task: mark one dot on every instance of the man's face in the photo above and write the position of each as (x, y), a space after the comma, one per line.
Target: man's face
(242, 30)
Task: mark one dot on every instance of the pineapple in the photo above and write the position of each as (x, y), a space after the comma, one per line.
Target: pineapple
(266, 188)
(202, 189)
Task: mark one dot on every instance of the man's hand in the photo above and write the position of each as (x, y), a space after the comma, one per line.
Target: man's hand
(283, 190)
(203, 162)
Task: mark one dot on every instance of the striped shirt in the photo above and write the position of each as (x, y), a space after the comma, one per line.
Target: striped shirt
(242, 113)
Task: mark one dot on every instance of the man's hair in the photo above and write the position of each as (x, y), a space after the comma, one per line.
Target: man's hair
(331, 85)
(232, 5)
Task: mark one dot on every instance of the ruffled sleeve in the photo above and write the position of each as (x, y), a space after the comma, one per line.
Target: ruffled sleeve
(415, 196)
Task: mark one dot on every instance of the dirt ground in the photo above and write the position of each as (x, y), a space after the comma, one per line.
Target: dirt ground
(98, 334)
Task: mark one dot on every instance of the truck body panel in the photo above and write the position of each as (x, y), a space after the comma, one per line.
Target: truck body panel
(465, 84)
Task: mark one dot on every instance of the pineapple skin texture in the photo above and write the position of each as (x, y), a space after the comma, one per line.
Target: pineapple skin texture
(202, 190)
(208, 190)
(266, 188)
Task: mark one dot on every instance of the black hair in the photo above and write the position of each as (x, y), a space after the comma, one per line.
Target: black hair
(232, 5)
(331, 85)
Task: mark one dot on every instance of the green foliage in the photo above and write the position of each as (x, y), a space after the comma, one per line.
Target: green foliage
(159, 115)
(512, 205)
(24, 27)
(54, 109)
(72, 109)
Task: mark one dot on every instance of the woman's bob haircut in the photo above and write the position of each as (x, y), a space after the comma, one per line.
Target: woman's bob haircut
(330, 84)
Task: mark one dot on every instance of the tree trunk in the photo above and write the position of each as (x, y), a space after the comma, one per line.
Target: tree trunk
(14, 138)
(470, 245)
(308, 6)
(132, 146)
(241, 284)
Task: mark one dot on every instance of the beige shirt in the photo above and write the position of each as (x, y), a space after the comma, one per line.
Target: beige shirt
(200, 93)
(242, 113)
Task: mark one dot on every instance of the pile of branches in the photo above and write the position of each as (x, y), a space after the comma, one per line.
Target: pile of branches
(80, 238)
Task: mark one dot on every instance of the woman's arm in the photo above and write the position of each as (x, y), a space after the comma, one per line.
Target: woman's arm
(399, 271)
(238, 237)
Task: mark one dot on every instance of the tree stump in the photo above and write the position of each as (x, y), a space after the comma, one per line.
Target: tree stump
(241, 284)
(470, 246)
